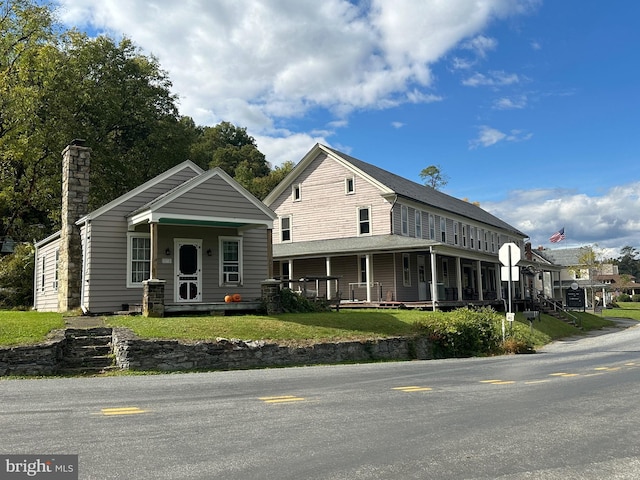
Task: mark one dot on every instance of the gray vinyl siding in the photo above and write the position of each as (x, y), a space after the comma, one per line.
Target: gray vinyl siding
(46, 293)
(217, 198)
(107, 258)
(324, 202)
(106, 274)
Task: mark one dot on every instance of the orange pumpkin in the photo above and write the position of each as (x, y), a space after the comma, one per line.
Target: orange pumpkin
(236, 297)
(228, 298)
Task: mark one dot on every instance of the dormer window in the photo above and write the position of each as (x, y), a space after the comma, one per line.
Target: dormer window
(295, 192)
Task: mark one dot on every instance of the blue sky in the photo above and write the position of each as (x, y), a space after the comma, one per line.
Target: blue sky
(531, 107)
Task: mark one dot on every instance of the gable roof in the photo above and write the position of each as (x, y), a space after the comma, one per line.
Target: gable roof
(392, 184)
(187, 164)
(150, 211)
(567, 257)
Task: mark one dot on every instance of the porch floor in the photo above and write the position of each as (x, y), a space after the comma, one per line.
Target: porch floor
(423, 305)
(212, 307)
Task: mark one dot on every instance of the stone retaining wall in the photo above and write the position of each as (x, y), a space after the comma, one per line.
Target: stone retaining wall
(41, 359)
(133, 353)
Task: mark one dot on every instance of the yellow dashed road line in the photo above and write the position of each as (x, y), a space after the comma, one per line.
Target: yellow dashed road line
(282, 399)
(498, 382)
(413, 388)
(121, 411)
(563, 374)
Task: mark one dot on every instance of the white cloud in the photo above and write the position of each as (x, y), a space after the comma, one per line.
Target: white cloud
(480, 45)
(397, 124)
(257, 62)
(610, 221)
(497, 78)
(510, 103)
(488, 136)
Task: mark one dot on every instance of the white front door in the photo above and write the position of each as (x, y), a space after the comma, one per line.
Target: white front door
(422, 278)
(188, 270)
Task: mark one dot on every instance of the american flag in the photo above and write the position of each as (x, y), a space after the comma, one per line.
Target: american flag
(558, 236)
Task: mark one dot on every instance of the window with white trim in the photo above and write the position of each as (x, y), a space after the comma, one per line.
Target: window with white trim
(404, 218)
(443, 230)
(350, 185)
(418, 216)
(363, 269)
(472, 237)
(285, 228)
(295, 192)
(464, 235)
(43, 265)
(138, 258)
(364, 220)
(55, 271)
(456, 229)
(230, 261)
(432, 227)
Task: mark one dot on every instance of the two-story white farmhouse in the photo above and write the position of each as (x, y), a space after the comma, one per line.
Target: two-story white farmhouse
(386, 238)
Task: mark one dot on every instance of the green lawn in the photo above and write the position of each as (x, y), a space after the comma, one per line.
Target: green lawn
(31, 327)
(624, 310)
(23, 328)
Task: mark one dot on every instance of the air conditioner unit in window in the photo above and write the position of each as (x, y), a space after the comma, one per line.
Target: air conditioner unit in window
(231, 277)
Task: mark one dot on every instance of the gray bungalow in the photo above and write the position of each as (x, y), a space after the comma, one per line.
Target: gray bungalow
(385, 238)
(192, 235)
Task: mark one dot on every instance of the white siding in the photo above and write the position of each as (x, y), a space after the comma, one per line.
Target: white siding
(324, 202)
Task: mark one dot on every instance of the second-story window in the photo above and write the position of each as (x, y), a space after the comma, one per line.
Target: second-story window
(456, 227)
(432, 227)
(464, 235)
(364, 220)
(404, 218)
(443, 229)
(295, 192)
(285, 229)
(418, 224)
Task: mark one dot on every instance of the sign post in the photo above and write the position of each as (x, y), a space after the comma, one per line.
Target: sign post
(509, 255)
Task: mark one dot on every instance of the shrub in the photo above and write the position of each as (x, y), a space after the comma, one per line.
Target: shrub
(623, 297)
(463, 332)
(635, 298)
(292, 302)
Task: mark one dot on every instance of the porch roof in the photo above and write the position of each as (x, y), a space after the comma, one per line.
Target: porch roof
(150, 216)
(342, 246)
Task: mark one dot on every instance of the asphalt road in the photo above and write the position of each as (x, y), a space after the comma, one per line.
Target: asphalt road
(571, 411)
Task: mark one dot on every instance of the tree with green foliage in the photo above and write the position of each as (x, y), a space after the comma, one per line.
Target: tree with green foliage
(628, 263)
(16, 277)
(56, 85)
(433, 177)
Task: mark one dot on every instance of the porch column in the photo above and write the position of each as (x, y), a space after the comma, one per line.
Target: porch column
(479, 279)
(459, 278)
(153, 229)
(291, 277)
(327, 263)
(269, 253)
(434, 280)
(498, 267)
(153, 298)
(367, 263)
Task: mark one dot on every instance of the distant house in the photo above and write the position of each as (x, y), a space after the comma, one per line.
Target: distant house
(601, 277)
(192, 235)
(386, 238)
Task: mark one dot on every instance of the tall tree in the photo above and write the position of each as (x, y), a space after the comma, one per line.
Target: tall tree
(628, 263)
(232, 149)
(56, 85)
(433, 177)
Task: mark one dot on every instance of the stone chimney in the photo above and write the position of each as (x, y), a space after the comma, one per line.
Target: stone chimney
(75, 204)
